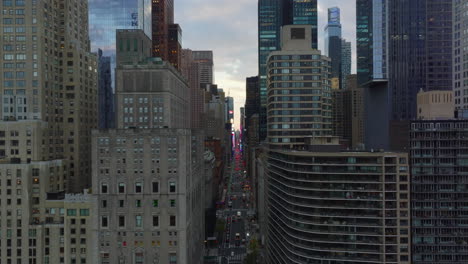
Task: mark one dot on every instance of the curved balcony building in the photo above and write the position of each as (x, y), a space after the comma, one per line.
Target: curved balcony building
(337, 207)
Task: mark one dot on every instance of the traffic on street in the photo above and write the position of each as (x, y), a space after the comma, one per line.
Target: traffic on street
(235, 212)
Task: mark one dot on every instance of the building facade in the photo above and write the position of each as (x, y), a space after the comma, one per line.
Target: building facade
(64, 98)
(189, 69)
(460, 80)
(299, 92)
(346, 55)
(204, 59)
(395, 69)
(150, 93)
(330, 206)
(175, 45)
(149, 185)
(439, 171)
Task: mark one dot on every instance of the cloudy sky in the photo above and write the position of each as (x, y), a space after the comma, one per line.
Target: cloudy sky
(229, 28)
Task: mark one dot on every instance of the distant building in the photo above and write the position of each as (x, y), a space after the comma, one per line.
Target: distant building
(175, 45)
(106, 95)
(204, 59)
(435, 105)
(189, 69)
(357, 111)
(162, 15)
(342, 121)
(346, 55)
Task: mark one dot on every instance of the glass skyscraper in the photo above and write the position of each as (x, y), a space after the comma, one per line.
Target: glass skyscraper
(105, 17)
(272, 15)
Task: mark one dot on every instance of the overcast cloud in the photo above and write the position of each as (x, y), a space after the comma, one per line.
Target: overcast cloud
(229, 28)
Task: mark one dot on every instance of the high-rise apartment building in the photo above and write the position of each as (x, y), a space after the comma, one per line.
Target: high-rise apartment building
(299, 92)
(148, 174)
(204, 59)
(162, 15)
(272, 15)
(394, 69)
(330, 206)
(106, 95)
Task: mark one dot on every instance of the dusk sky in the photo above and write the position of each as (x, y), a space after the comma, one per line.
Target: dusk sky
(229, 28)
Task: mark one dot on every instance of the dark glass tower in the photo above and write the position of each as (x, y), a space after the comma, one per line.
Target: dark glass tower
(304, 12)
(402, 47)
(272, 15)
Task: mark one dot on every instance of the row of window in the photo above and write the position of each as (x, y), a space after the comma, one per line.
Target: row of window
(138, 187)
(105, 221)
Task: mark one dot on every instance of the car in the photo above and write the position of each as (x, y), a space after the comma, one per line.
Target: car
(239, 213)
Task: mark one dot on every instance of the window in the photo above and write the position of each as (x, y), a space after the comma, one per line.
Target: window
(104, 221)
(155, 203)
(172, 258)
(121, 187)
(172, 220)
(172, 203)
(121, 221)
(121, 203)
(172, 187)
(155, 187)
(71, 212)
(84, 212)
(137, 203)
(155, 220)
(104, 187)
(138, 221)
(138, 187)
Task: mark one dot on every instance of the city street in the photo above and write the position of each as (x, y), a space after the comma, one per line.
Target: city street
(235, 239)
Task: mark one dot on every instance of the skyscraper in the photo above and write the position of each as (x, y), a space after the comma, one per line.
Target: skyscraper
(162, 15)
(395, 69)
(346, 55)
(106, 95)
(204, 59)
(332, 28)
(189, 69)
(175, 45)
(272, 15)
(105, 17)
